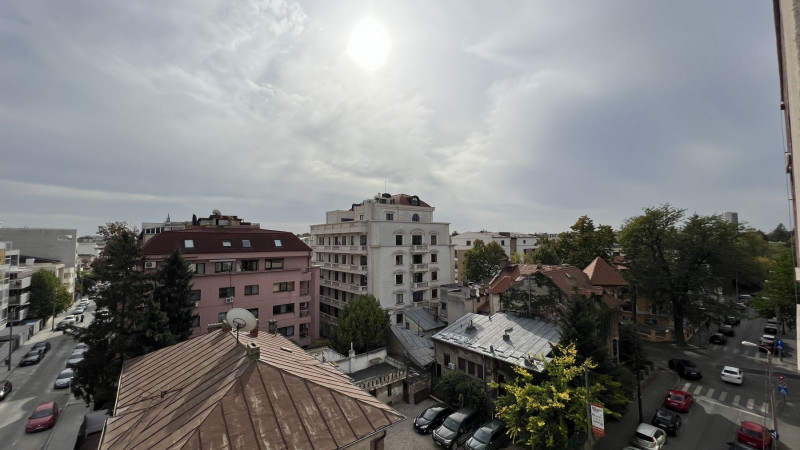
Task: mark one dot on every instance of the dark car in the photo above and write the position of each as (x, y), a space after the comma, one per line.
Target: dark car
(490, 436)
(667, 420)
(5, 389)
(64, 379)
(685, 368)
(74, 360)
(43, 417)
(718, 338)
(431, 418)
(45, 346)
(32, 357)
(732, 320)
(726, 329)
(455, 428)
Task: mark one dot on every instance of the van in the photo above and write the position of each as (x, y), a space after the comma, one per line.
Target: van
(648, 437)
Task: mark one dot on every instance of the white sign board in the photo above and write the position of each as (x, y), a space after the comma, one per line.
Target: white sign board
(598, 427)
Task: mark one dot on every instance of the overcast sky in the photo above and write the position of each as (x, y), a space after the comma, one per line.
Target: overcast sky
(505, 116)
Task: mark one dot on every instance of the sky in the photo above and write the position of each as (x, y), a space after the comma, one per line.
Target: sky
(505, 116)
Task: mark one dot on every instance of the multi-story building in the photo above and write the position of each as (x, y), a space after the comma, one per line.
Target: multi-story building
(511, 243)
(48, 244)
(389, 247)
(266, 272)
(5, 280)
(150, 229)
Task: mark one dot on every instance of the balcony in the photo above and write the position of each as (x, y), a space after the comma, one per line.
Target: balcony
(420, 285)
(341, 249)
(332, 301)
(417, 249)
(419, 267)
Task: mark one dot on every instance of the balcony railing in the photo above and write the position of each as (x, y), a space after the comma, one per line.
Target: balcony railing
(419, 267)
(420, 285)
(419, 248)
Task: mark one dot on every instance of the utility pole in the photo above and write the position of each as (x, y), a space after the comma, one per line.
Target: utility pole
(588, 409)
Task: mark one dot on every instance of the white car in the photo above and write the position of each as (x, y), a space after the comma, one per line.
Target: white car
(732, 375)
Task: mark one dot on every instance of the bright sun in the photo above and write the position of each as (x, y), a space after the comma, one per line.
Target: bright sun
(369, 44)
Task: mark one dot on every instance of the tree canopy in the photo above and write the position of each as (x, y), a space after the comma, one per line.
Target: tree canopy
(363, 323)
(44, 294)
(577, 247)
(173, 294)
(779, 295)
(457, 388)
(482, 261)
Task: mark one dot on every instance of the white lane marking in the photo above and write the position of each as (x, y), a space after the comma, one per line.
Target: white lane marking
(686, 386)
(710, 392)
(750, 403)
(736, 399)
(723, 396)
(698, 389)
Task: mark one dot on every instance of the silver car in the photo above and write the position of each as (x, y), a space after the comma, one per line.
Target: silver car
(64, 379)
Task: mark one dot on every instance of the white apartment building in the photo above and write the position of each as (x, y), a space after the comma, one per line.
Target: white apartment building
(521, 243)
(389, 247)
(56, 246)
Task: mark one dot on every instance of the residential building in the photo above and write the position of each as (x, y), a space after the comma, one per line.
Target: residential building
(54, 245)
(267, 272)
(6, 262)
(150, 229)
(19, 287)
(256, 390)
(731, 217)
(89, 248)
(511, 243)
(467, 299)
(389, 247)
(374, 371)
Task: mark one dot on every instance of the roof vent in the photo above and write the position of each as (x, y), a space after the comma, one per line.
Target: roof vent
(506, 337)
(253, 352)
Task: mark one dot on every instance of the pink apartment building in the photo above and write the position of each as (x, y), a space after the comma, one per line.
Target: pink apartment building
(266, 272)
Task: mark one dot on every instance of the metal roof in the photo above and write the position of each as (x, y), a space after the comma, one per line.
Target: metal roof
(424, 319)
(528, 339)
(419, 348)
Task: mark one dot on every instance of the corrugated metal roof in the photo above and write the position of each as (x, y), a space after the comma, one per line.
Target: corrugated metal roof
(419, 348)
(206, 393)
(423, 318)
(528, 338)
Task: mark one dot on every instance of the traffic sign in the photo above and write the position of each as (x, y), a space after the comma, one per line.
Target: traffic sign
(783, 389)
(774, 434)
(781, 377)
(779, 344)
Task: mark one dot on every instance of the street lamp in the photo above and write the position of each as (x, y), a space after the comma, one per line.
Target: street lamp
(769, 384)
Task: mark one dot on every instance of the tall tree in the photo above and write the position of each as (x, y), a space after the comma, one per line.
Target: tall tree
(482, 261)
(362, 323)
(779, 296)
(44, 294)
(779, 234)
(173, 294)
(457, 388)
(577, 247)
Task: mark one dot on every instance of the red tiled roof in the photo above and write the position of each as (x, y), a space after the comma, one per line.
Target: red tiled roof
(206, 393)
(209, 240)
(601, 274)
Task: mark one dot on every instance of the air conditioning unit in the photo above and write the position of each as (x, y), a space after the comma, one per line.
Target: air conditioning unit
(228, 299)
(451, 366)
(150, 265)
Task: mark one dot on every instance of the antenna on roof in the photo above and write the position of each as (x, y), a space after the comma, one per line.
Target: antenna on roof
(241, 319)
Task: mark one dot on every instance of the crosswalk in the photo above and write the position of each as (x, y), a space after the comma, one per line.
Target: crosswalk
(703, 392)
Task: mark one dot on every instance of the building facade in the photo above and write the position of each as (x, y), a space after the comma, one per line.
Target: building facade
(51, 244)
(389, 247)
(266, 272)
(511, 243)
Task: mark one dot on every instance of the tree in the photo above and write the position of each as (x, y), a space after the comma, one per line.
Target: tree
(578, 247)
(362, 323)
(63, 299)
(482, 261)
(779, 296)
(779, 234)
(543, 410)
(457, 388)
(44, 294)
(173, 294)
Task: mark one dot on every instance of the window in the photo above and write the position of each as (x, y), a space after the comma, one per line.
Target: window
(434, 276)
(363, 260)
(398, 299)
(416, 239)
(389, 390)
(284, 286)
(446, 359)
(226, 243)
(417, 296)
(303, 330)
(479, 371)
(221, 316)
(462, 364)
(197, 269)
(278, 243)
(224, 266)
(417, 278)
(195, 295)
(249, 265)
(360, 217)
(398, 279)
(254, 312)
(398, 260)
(398, 239)
(398, 318)
(471, 368)
(274, 264)
(415, 218)
(251, 289)
(434, 257)
(502, 242)
(283, 309)
(226, 292)
(434, 239)
(469, 242)
(195, 321)
(416, 259)
(188, 243)
(363, 239)
(286, 331)
(434, 293)
(246, 243)
(389, 216)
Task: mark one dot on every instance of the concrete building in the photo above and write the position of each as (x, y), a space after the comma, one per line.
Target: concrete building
(511, 243)
(89, 248)
(7, 257)
(267, 272)
(388, 246)
(50, 244)
(731, 217)
(150, 229)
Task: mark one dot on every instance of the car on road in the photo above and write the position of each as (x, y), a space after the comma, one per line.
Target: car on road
(74, 360)
(5, 389)
(44, 346)
(678, 400)
(490, 436)
(430, 419)
(667, 420)
(78, 311)
(741, 306)
(80, 346)
(767, 343)
(732, 320)
(771, 326)
(455, 428)
(649, 437)
(685, 368)
(732, 374)
(727, 330)
(44, 416)
(32, 357)
(754, 434)
(718, 338)
(64, 378)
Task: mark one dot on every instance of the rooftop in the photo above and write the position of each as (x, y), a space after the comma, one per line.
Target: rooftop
(419, 348)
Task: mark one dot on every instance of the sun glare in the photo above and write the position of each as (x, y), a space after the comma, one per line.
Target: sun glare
(369, 44)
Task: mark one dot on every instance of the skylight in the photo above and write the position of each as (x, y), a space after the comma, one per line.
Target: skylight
(226, 243)
(278, 243)
(246, 243)
(188, 243)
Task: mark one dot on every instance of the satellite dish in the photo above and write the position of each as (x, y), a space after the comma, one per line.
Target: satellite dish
(241, 319)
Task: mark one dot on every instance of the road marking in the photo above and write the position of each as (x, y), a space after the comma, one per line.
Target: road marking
(750, 403)
(765, 408)
(723, 396)
(698, 389)
(710, 392)
(686, 386)
(736, 399)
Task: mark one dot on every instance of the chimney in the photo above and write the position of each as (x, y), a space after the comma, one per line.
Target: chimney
(273, 326)
(254, 332)
(253, 352)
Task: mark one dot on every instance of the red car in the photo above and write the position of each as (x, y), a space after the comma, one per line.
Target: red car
(43, 417)
(754, 434)
(678, 400)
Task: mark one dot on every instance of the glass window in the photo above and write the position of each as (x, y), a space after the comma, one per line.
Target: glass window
(415, 218)
(434, 293)
(398, 318)
(188, 243)
(416, 239)
(416, 259)
(389, 216)
(363, 239)
(224, 266)
(254, 312)
(469, 242)
(286, 331)
(283, 309)
(278, 243)
(226, 292)
(398, 260)
(274, 264)
(434, 257)
(226, 243)
(398, 299)
(398, 279)
(195, 321)
(249, 265)
(197, 268)
(285, 286)
(246, 243)
(251, 289)
(221, 316)
(417, 278)
(434, 276)
(195, 295)
(398, 239)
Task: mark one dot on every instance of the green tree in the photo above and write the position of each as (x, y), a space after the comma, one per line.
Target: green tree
(43, 294)
(779, 296)
(543, 410)
(63, 299)
(173, 294)
(779, 234)
(577, 247)
(482, 261)
(363, 323)
(457, 388)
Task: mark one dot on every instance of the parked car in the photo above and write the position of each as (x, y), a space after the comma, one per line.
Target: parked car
(727, 330)
(732, 374)
(667, 420)
(718, 338)
(649, 437)
(79, 310)
(44, 346)
(432, 417)
(767, 343)
(80, 346)
(44, 416)
(64, 378)
(740, 446)
(32, 357)
(771, 326)
(490, 436)
(5, 389)
(678, 400)
(74, 360)
(741, 306)
(455, 428)
(732, 320)
(685, 369)
(754, 434)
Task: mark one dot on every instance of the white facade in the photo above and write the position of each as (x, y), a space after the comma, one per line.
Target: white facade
(54, 244)
(387, 246)
(520, 243)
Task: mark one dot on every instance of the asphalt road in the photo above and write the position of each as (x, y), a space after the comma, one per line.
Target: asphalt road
(34, 385)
